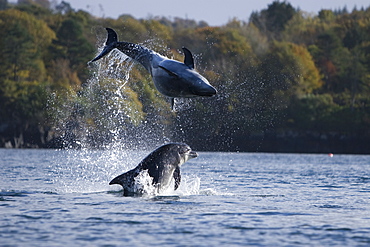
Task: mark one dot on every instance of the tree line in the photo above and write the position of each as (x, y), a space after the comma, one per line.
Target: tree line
(287, 80)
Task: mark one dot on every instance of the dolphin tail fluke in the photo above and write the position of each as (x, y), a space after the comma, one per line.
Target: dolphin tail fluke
(112, 36)
(121, 179)
(109, 45)
(125, 179)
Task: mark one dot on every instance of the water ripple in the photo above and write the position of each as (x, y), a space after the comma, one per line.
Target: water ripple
(230, 199)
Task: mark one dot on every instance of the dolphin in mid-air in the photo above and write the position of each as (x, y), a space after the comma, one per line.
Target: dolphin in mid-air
(162, 165)
(171, 78)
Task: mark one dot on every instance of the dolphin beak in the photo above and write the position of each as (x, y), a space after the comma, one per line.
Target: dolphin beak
(209, 91)
(192, 154)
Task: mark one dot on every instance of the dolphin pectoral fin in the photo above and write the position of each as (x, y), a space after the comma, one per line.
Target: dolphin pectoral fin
(173, 104)
(189, 61)
(169, 71)
(177, 177)
(109, 45)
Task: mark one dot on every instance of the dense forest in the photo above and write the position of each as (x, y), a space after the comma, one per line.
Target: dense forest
(287, 81)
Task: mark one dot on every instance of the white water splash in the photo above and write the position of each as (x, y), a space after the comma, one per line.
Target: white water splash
(89, 171)
(144, 184)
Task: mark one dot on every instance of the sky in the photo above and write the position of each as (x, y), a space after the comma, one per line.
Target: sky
(214, 12)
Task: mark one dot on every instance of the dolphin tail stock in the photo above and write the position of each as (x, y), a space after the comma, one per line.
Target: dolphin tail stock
(134, 51)
(109, 45)
(137, 52)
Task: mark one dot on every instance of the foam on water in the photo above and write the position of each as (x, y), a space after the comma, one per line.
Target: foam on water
(189, 186)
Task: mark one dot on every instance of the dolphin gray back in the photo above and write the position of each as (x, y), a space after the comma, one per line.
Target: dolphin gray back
(158, 159)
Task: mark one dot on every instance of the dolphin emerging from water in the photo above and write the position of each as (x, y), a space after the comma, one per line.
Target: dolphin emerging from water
(162, 165)
(171, 78)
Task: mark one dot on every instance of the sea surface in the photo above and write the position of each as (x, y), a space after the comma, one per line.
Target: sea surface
(62, 198)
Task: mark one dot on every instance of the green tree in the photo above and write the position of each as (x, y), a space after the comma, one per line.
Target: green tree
(314, 113)
(272, 20)
(24, 41)
(73, 46)
(290, 67)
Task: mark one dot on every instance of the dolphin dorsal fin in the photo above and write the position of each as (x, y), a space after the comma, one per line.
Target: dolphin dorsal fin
(189, 61)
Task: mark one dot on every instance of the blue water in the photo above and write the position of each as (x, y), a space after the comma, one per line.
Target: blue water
(62, 198)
